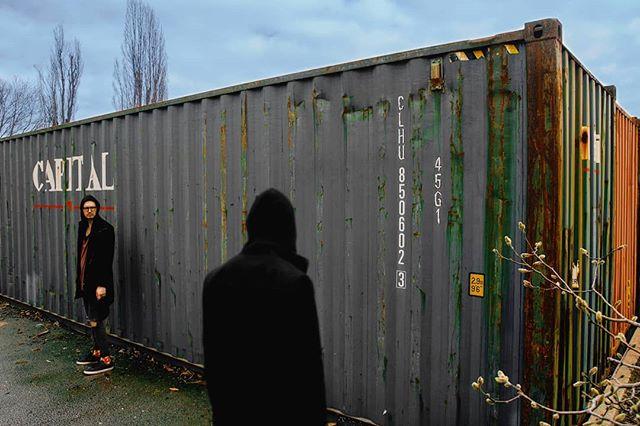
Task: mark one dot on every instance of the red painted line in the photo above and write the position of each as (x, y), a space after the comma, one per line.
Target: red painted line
(69, 206)
(48, 206)
(587, 170)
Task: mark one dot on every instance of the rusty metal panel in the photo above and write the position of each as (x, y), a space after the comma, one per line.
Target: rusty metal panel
(390, 173)
(570, 206)
(625, 219)
(587, 196)
(544, 200)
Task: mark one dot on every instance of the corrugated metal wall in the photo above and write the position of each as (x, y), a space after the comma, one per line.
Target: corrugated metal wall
(587, 215)
(625, 222)
(185, 175)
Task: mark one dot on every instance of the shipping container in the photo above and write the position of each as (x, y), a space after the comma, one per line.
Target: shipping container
(405, 171)
(625, 220)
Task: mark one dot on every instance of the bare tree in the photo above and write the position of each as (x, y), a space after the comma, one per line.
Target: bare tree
(140, 76)
(58, 84)
(18, 107)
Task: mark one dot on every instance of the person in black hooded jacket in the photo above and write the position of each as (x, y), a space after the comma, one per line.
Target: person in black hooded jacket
(94, 281)
(260, 331)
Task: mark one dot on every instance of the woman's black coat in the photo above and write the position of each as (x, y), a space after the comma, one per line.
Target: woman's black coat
(99, 266)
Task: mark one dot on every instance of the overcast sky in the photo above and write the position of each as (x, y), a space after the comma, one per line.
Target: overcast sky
(212, 44)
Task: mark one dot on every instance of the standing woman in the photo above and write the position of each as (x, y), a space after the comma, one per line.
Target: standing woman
(94, 281)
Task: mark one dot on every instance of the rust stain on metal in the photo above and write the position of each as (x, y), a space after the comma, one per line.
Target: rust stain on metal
(243, 165)
(625, 217)
(223, 186)
(292, 122)
(205, 209)
(503, 106)
(320, 106)
(584, 143)
(544, 148)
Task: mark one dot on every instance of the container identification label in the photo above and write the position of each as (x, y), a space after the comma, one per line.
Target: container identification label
(437, 184)
(476, 284)
(401, 274)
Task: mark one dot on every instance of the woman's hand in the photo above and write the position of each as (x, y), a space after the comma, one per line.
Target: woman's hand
(100, 292)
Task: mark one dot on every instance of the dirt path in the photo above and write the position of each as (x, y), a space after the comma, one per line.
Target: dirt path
(40, 383)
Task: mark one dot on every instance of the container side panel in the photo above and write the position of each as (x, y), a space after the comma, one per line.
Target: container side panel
(625, 220)
(401, 189)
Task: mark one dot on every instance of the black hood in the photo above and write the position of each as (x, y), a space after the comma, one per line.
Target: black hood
(272, 219)
(84, 200)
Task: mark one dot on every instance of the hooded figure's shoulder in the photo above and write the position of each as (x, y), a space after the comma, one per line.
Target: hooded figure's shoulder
(263, 271)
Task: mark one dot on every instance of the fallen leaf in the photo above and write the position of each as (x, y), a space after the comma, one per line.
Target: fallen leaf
(48, 361)
(173, 389)
(42, 333)
(198, 382)
(3, 323)
(22, 362)
(36, 349)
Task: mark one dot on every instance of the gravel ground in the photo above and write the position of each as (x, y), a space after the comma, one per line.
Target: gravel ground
(41, 385)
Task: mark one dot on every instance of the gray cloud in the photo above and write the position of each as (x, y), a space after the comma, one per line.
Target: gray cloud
(215, 44)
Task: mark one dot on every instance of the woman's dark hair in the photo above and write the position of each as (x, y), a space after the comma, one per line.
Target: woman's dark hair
(84, 200)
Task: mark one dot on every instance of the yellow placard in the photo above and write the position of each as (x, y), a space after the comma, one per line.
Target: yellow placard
(476, 285)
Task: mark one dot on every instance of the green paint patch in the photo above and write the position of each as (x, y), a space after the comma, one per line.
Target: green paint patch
(383, 107)
(352, 115)
(432, 128)
(455, 225)
(173, 293)
(320, 107)
(503, 135)
(417, 205)
(418, 107)
(382, 183)
(423, 298)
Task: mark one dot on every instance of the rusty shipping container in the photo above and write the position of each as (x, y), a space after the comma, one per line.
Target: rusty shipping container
(625, 220)
(405, 171)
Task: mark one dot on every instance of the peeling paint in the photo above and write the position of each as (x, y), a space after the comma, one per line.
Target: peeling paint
(454, 232)
(503, 128)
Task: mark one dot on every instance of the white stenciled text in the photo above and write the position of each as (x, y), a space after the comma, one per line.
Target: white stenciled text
(49, 175)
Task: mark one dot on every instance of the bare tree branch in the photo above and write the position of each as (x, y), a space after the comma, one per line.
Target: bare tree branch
(140, 76)
(59, 82)
(620, 398)
(18, 107)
